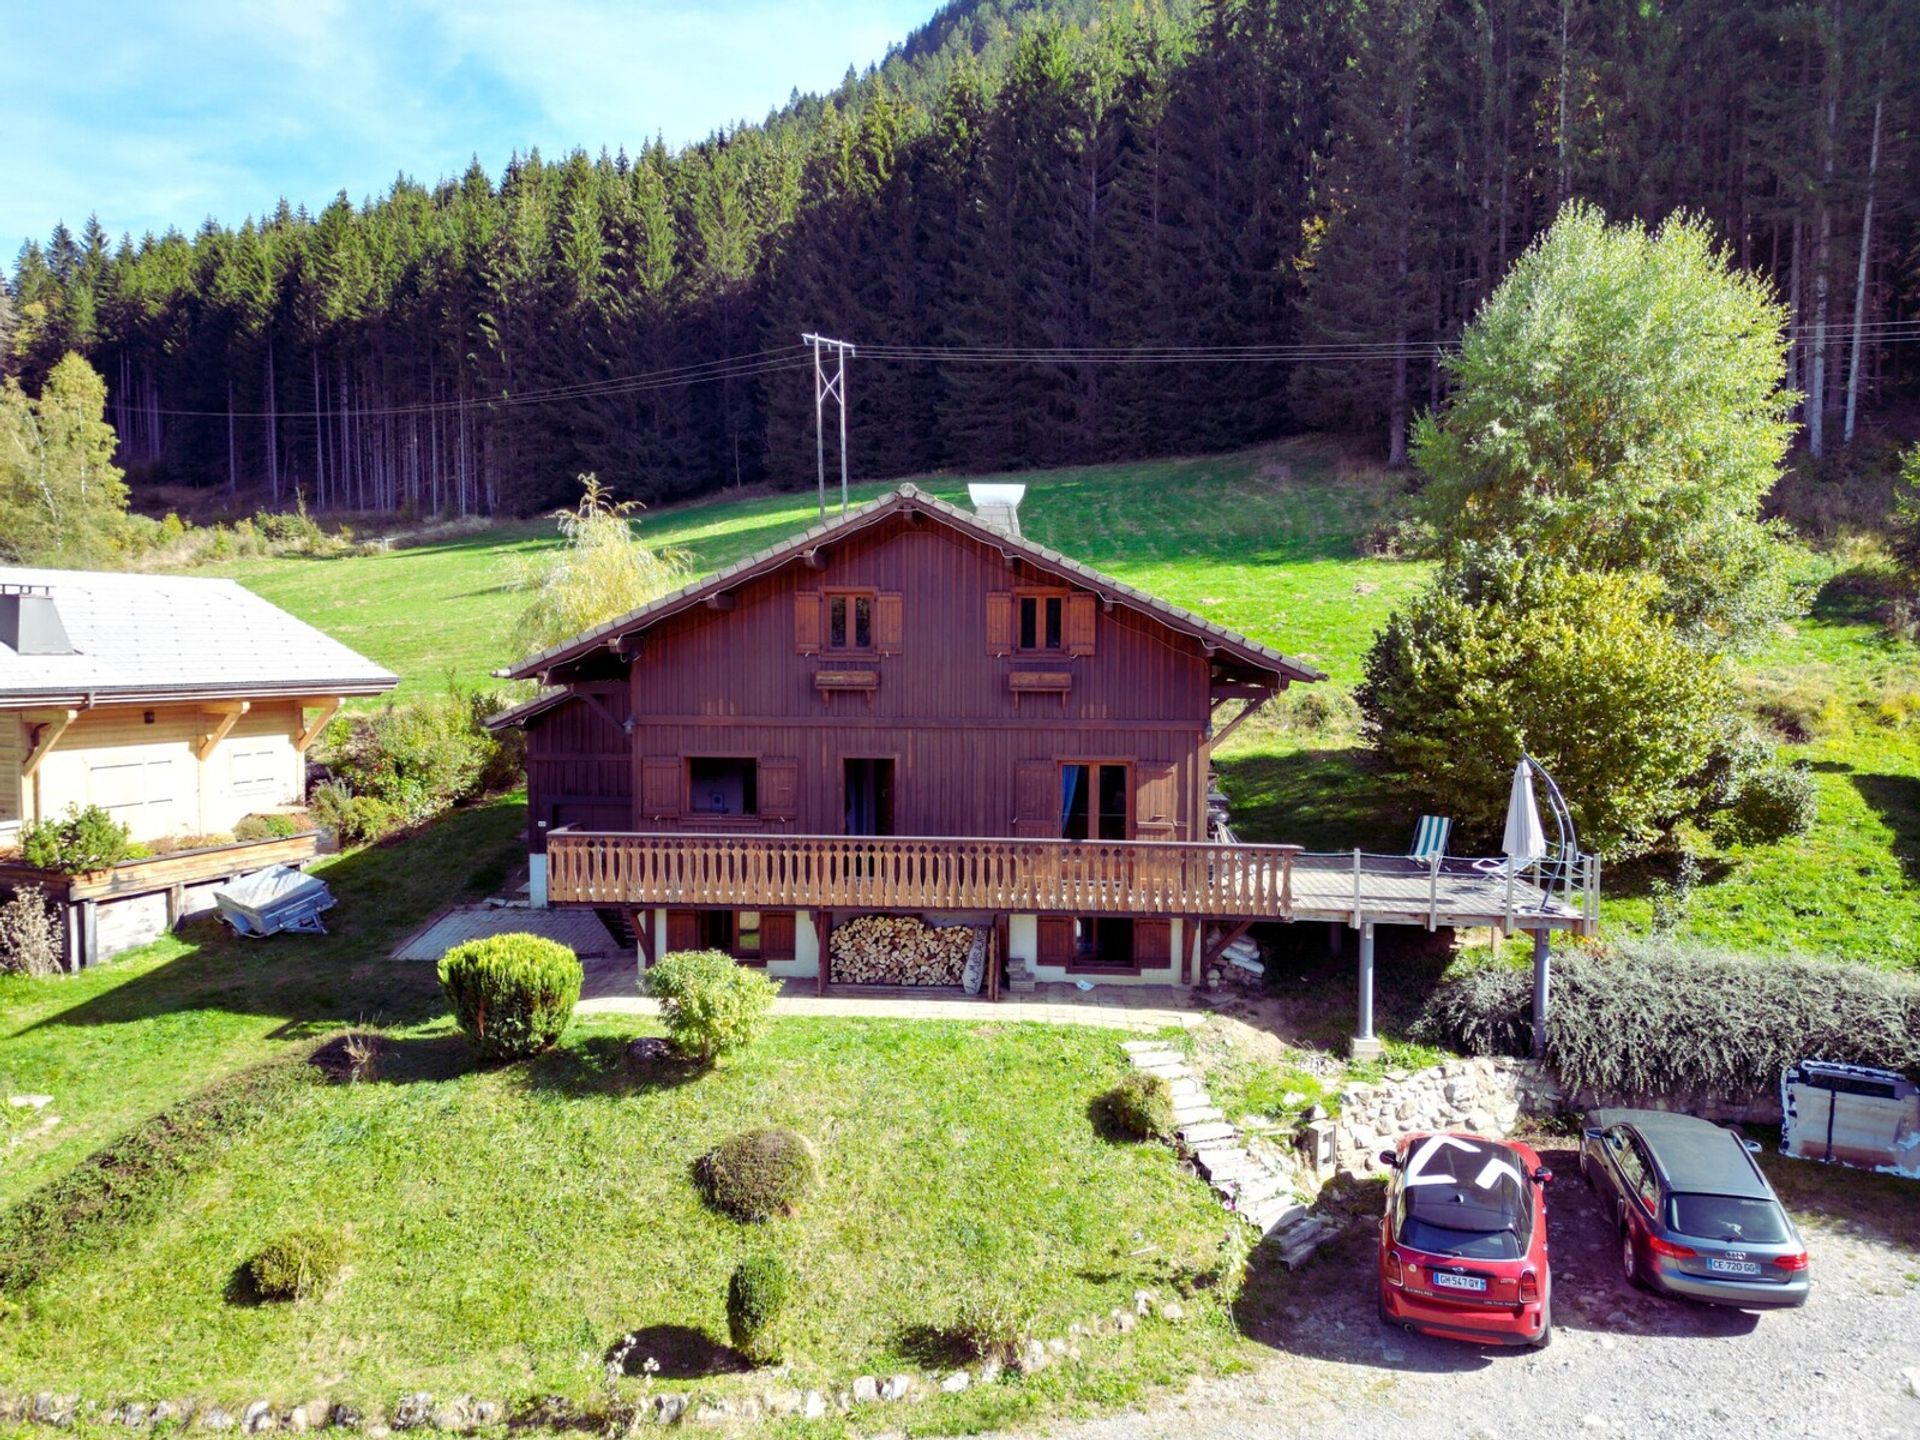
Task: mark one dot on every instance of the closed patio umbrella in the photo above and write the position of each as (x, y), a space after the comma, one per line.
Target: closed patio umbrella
(1525, 842)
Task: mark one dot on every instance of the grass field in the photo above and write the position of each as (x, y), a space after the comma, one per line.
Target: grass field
(507, 1226)
(1270, 543)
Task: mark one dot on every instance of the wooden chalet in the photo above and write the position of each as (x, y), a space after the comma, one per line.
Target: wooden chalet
(914, 709)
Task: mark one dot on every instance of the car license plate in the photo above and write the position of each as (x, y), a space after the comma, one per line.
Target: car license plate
(1733, 1267)
(1443, 1281)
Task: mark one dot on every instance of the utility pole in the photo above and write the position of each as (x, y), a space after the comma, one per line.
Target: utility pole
(829, 384)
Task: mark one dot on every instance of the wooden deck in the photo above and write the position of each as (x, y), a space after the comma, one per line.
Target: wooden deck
(1010, 876)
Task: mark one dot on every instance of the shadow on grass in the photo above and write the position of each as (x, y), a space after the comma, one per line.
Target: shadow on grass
(1896, 800)
(678, 1352)
(607, 1065)
(934, 1347)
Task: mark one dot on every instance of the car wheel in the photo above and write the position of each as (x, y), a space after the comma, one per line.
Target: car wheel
(1380, 1302)
(1629, 1262)
(1545, 1337)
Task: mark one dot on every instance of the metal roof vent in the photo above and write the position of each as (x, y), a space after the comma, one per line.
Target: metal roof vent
(30, 622)
(998, 505)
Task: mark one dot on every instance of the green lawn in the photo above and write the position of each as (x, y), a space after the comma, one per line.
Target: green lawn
(507, 1226)
(1271, 542)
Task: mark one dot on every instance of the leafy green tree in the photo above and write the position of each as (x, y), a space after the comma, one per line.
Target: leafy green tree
(1578, 667)
(1619, 407)
(604, 571)
(61, 495)
(1904, 530)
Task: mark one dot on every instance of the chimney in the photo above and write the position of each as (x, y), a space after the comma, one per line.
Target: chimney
(998, 505)
(30, 622)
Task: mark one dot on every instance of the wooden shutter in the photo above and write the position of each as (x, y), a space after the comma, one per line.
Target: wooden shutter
(1055, 940)
(1036, 800)
(1156, 800)
(886, 622)
(683, 930)
(999, 622)
(779, 788)
(660, 786)
(1081, 609)
(806, 622)
(1152, 944)
(776, 934)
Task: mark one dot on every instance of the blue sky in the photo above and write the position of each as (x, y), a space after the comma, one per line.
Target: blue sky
(164, 112)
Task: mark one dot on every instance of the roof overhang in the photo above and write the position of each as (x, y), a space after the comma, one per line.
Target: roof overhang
(186, 694)
(1216, 640)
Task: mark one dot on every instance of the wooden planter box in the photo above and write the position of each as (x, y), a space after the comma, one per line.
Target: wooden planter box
(106, 911)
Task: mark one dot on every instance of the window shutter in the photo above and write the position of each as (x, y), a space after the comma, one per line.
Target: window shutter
(886, 622)
(999, 622)
(779, 788)
(683, 930)
(1153, 944)
(1156, 800)
(660, 786)
(1081, 609)
(1055, 939)
(776, 934)
(806, 622)
(1036, 800)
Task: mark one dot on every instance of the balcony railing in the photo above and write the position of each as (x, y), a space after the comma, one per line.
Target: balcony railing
(835, 872)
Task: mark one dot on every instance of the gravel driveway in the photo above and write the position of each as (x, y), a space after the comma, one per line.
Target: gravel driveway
(1622, 1362)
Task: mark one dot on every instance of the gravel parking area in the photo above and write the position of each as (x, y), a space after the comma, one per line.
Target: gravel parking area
(1622, 1362)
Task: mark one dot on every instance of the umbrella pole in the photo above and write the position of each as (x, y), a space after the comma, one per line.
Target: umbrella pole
(1542, 980)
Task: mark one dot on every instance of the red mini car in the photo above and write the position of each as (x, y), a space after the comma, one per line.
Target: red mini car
(1463, 1245)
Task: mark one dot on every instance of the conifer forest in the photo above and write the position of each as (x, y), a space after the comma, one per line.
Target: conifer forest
(1057, 231)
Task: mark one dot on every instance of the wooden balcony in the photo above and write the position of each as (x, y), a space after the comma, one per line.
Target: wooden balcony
(1007, 876)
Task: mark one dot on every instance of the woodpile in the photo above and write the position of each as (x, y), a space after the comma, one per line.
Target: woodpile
(898, 950)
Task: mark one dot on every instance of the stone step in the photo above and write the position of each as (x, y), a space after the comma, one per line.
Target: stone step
(1169, 1072)
(1196, 1114)
(1223, 1165)
(1020, 987)
(1300, 1239)
(1276, 1214)
(1140, 1047)
(1185, 1089)
(1257, 1190)
(1147, 1059)
(1207, 1130)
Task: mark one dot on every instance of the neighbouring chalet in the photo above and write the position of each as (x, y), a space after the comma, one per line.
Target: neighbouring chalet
(913, 709)
(178, 705)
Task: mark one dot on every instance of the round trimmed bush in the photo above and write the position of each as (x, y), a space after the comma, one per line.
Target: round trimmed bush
(297, 1264)
(512, 994)
(759, 1174)
(756, 1298)
(1142, 1106)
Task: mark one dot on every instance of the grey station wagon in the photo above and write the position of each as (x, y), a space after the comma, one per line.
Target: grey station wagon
(1696, 1216)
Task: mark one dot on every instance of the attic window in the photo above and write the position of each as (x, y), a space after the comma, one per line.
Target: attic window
(850, 620)
(1042, 621)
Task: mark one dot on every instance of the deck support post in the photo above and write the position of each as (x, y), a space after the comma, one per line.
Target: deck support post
(822, 937)
(1365, 1046)
(1336, 938)
(1542, 981)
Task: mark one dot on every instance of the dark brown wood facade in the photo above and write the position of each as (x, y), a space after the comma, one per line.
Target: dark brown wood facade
(969, 671)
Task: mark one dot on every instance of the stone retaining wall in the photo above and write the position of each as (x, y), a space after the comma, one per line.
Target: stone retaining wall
(1485, 1095)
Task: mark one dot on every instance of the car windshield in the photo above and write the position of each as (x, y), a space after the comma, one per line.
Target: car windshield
(1467, 1198)
(1728, 1217)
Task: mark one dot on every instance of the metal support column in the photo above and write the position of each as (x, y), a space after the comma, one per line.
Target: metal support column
(1542, 979)
(1365, 1045)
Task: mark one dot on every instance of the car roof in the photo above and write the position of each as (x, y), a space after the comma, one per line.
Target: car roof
(1464, 1182)
(1691, 1154)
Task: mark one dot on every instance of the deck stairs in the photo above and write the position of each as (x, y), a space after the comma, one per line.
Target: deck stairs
(1258, 1193)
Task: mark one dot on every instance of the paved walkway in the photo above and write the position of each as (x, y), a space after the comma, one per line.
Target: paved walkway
(579, 930)
(611, 988)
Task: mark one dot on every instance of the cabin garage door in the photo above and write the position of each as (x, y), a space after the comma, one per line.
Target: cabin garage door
(150, 795)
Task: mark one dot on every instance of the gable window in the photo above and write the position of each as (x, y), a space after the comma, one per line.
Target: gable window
(1041, 618)
(850, 620)
(723, 785)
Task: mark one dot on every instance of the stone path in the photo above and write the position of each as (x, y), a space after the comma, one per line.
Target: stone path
(1258, 1193)
(579, 930)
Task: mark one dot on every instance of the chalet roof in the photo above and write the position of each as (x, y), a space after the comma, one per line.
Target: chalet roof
(172, 637)
(528, 709)
(910, 497)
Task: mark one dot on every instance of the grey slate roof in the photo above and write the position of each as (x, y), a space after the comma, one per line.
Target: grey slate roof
(165, 637)
(911, 497)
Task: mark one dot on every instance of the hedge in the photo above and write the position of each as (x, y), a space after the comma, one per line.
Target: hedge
(512, 994)
(1654, 1017)
(759, 1174)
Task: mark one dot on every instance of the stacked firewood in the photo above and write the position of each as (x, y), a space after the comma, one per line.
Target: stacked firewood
(898, 950)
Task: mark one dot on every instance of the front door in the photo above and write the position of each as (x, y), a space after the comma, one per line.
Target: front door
(869, 797)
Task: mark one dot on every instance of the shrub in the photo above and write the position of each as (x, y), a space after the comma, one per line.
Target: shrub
(757, 1296)
(512, 994)
(269, 827)
(1141, 1106)
(1654, 1018)
(331, 806)
(1903, 529)
(1770, 805)
(759, 1174)
(76, 842)
(29, 934)
(992, 1319)
(297, 1264)
(415, 759)
(710, 1005)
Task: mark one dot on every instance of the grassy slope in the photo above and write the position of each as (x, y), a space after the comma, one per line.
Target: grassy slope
(1267, 542)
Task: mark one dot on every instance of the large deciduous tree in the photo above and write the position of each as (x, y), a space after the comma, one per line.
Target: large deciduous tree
(61, 495)
(1619, 406)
